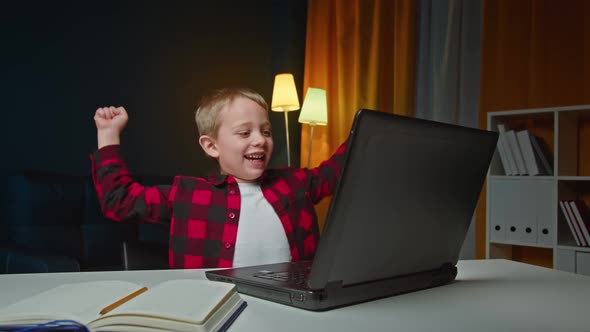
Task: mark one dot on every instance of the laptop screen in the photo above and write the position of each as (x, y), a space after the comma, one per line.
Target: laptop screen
(405, 198)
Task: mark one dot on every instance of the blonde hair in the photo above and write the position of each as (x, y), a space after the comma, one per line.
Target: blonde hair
(207, 114)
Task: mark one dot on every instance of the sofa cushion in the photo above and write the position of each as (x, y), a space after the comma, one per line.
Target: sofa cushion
(12, 261)
(53, 222)
(43, 212)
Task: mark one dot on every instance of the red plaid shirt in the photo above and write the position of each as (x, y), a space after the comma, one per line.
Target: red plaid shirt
(204, 212)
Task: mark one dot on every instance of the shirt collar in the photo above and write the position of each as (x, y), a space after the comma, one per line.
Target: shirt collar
(220, 179)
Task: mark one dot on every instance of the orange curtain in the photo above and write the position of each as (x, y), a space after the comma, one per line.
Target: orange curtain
(362, 53)
(535, 53)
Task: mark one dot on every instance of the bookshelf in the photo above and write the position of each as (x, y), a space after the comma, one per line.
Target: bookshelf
(524, 219)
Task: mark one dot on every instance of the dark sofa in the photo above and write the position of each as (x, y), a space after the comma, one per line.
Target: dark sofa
(53, 223)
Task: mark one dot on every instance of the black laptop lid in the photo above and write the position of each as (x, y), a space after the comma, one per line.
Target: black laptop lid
(405, 198)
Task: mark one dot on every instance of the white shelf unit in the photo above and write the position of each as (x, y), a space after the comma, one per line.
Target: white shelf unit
(523, 210)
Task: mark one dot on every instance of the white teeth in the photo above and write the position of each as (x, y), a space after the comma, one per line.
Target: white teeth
(255, 156)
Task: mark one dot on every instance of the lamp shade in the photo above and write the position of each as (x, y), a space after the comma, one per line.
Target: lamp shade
(315, 107)
(284, 94)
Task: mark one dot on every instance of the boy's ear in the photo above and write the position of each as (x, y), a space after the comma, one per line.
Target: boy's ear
(209, 146)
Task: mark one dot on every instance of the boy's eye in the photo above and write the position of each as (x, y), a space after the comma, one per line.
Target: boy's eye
(244, 133)
(267, 133)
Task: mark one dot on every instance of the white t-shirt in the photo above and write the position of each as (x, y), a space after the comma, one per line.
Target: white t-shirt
(261, 237)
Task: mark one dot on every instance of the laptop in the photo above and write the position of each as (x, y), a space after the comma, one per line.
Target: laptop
(397, 220)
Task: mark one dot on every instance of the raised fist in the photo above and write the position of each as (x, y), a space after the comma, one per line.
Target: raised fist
(111, 118)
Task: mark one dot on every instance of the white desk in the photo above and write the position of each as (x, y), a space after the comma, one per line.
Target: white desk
(489, 295)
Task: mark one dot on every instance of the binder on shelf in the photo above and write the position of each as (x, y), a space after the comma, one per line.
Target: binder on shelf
(579, 210)
(526, 147)
(515, 223)
(569, 222)
(542, 154)
(526, 203)
(544, 210)
(568, 207)
(511, 167)
(499, 208)
(503, 157)
(513, 141)
(503, 160)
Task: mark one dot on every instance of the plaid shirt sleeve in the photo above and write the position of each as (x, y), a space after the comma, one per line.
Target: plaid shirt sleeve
(321, 181)
(121, 198)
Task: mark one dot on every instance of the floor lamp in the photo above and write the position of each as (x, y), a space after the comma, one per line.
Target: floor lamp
(285, 99)
(314, 112)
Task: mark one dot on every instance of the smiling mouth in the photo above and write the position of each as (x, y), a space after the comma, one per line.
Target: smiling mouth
(255, 157)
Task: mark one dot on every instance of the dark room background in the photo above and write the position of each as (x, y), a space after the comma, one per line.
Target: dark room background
(63, 59)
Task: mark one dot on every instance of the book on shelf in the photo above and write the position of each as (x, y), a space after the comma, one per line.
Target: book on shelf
(568, 219)
(575, 224)
(542, 153)
(528, 154)
(580, 212)
(112, 305)
(506, 155)
(515, 147)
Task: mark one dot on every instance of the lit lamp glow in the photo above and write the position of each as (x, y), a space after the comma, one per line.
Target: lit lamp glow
(285, 99)
(314, 112)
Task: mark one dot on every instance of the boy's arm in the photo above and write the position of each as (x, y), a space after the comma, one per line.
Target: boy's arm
(120, 197)
(321, 181)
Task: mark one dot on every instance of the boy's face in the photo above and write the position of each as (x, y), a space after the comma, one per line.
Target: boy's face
(244, 144)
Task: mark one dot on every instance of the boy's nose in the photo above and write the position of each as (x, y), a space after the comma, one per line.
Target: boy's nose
(258, 139)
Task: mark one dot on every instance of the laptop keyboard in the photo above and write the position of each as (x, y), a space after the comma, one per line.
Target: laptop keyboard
(296, 277)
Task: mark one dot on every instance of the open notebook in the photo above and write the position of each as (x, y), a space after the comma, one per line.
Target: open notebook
(174, 305)
(397, 220)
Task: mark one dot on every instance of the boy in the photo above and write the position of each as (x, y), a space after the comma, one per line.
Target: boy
(247, 215)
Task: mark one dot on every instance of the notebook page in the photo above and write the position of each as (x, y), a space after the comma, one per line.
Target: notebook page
(184, 300)
(78, 301)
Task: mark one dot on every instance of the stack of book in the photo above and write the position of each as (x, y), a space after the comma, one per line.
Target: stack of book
(523, 153)
(577, 217)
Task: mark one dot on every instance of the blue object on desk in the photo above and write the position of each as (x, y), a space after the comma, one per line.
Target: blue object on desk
(53, 326)
(233, 317)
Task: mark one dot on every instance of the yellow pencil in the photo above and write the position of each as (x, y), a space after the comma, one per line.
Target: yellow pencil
(123, 300)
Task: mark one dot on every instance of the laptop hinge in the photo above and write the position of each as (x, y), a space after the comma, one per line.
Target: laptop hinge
(336, 294)
(446, 273)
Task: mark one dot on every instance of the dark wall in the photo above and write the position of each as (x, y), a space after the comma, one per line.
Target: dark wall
(63, 59)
